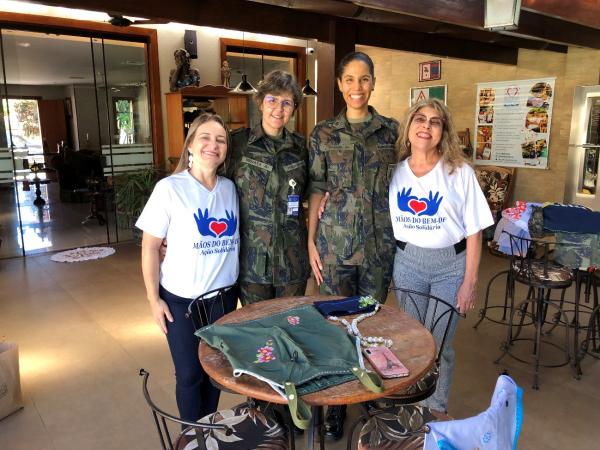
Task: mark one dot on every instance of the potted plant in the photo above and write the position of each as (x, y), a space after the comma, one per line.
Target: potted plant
(132, 190)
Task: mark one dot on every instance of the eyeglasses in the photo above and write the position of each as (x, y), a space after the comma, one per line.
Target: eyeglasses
(274, 102)
(434, 122)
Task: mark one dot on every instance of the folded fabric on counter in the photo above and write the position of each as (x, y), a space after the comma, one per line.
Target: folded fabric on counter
(577, 250)
(571, 219)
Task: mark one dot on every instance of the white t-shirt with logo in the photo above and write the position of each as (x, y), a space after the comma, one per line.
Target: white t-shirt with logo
(438, 209)
(202, 231)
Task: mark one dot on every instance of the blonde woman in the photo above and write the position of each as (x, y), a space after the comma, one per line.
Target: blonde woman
(197, 212)
(437, 211)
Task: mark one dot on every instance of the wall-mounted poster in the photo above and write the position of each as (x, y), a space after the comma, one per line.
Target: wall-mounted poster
(418, 94)
(512, 119)
(430, 70)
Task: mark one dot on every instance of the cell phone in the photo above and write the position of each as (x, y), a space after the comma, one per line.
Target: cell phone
(385, 362)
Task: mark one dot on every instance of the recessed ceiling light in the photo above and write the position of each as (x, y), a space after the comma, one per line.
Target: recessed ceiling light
(24, 44)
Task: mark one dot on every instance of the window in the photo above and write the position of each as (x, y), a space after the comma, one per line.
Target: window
(124, 125)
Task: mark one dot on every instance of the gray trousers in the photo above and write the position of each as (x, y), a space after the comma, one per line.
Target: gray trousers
(438, 272)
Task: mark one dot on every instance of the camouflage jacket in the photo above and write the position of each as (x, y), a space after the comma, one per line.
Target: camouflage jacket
(273, 243)
(355, 167)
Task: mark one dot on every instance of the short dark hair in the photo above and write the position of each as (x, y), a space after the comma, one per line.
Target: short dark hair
(355, 56)
(278, 82)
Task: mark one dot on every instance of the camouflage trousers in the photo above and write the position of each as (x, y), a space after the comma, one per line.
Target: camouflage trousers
(256, 292)
(370, 278)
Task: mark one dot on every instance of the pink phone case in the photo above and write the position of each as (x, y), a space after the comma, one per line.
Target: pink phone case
(385, 362)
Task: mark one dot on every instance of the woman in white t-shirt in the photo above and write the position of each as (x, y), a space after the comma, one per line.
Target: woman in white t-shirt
(437, 211)
(197, 212)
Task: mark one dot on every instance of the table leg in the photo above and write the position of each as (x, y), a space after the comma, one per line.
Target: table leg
(316, 424)
(39, 201)
(581, 277)
(310, 439)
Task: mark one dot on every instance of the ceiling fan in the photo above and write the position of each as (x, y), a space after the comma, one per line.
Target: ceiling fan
(120, 21)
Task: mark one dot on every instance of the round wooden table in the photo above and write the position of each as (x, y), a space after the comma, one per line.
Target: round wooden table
(412, 344)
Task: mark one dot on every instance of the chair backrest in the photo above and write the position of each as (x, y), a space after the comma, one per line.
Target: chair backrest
(434, 314)
(497, 185)
(162, 418)
(201, 309)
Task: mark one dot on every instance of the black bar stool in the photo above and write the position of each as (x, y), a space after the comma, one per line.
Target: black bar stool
(541, 276)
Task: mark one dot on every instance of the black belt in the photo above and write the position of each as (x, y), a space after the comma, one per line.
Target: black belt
(459, 247)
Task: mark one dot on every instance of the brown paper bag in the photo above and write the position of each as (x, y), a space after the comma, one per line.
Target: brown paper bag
(10, 381)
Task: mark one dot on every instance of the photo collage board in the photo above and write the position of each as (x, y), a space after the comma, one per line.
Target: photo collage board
(512, 119)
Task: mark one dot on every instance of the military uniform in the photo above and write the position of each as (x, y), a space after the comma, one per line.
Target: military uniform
(354, 163)
(273, 250)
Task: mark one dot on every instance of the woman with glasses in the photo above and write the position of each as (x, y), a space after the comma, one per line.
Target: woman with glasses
(351, 160)
(437, 211)
(268, 165)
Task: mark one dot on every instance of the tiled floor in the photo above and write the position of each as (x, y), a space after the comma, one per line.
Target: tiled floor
(54, 226)
(84, 330)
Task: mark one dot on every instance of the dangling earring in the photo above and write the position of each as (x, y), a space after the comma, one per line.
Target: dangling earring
(190, 159)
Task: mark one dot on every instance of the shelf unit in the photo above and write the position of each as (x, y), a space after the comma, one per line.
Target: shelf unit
(233, 108)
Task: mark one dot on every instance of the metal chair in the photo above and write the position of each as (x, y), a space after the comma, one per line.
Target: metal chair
(202, 314)
(590, 345)
(240, 428)
(401, 428)
(530, 266)
(411, 426)
(437, 318)
(508, 291)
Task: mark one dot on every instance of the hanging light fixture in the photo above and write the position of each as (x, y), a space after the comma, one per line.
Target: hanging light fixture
(244, 87)
(307, 90)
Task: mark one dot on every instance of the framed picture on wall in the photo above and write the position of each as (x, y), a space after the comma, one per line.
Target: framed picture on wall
(430, 70)
(423, 93)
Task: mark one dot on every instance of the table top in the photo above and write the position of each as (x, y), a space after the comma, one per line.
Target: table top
(413, 345)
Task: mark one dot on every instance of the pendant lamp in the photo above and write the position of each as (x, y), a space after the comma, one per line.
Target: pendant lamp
(307, 90)
(244, 87)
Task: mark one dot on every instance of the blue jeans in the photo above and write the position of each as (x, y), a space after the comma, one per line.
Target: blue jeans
(438, 272)
(196, 396)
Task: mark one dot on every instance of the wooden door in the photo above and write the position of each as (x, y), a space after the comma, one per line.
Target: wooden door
(53, 124)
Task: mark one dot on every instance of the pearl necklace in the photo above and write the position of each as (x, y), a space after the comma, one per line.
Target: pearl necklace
(352, 328)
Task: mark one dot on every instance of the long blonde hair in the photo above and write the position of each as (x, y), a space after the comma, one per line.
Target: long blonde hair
(449, 146)
(200, 120)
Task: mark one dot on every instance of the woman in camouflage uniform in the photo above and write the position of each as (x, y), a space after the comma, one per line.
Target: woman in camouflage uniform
(268, 165)
(351, 159)
(351, 249)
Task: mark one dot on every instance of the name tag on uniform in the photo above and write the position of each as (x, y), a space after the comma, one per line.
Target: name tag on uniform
(293, 166)
(255, 163)
(293, 206)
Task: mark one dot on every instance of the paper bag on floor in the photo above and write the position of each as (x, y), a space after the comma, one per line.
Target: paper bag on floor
(10, 382)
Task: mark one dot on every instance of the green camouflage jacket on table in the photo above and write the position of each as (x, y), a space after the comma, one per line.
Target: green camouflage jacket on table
(273, 246)
(356, 169)
(296, 352)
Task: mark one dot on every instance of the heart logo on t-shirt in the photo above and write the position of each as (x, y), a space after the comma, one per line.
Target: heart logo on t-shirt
(417, 206)
(218, 227)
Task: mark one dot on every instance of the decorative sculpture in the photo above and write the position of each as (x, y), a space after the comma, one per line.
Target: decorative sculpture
(183, 75)
(225, 73)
